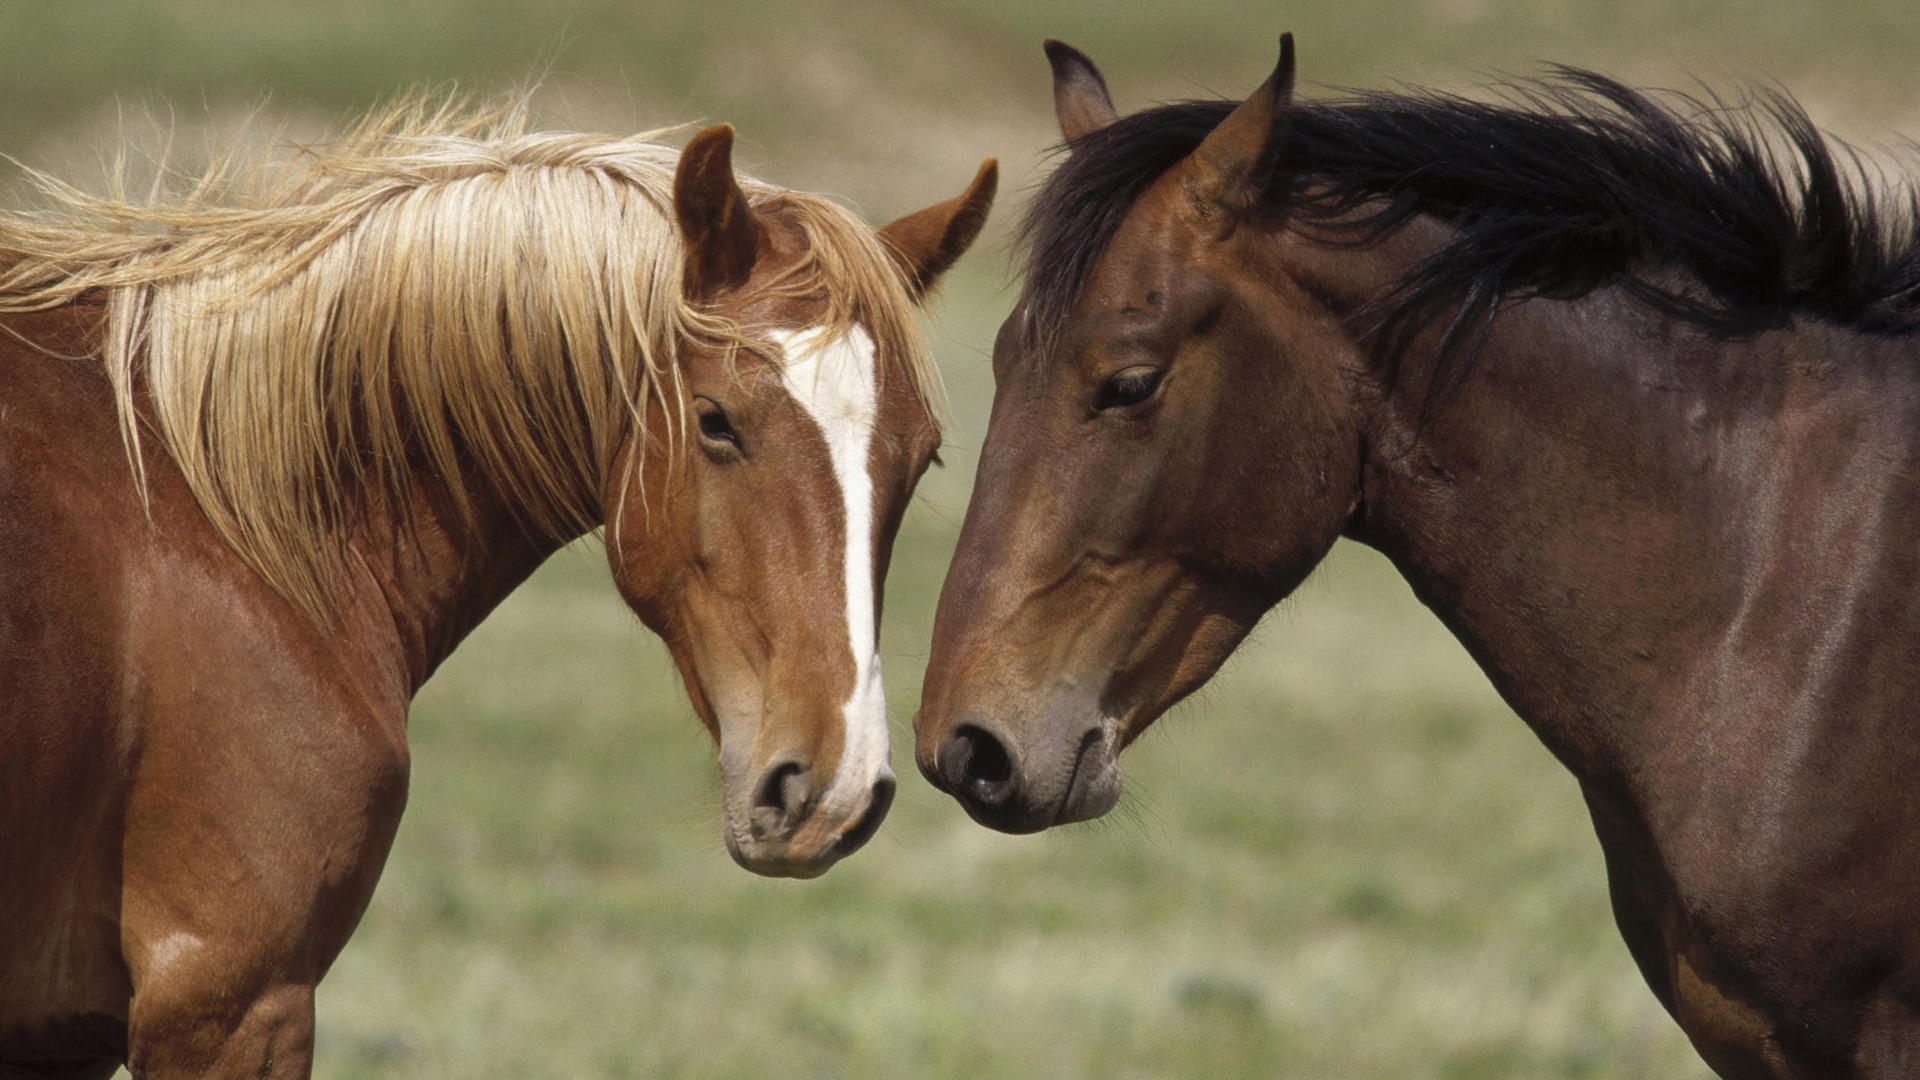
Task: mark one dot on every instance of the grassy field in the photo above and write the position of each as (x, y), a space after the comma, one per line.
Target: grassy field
(1345, 860)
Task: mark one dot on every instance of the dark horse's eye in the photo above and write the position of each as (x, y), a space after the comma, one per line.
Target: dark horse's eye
(1127, 388)
(714, 425)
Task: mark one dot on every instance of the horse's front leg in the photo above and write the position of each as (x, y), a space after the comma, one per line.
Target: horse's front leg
(191, 1023)
(252, 848)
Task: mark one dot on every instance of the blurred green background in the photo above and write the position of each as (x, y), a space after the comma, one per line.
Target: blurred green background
(1345, 859)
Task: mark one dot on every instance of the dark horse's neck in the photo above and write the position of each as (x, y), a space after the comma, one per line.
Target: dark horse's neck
(1613, 500)
(1690, 564)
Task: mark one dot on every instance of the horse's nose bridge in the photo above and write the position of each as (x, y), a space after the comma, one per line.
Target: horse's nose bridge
(1014, 591)
(830, 720)
(802, 729)
(978, 607)
(981, 583)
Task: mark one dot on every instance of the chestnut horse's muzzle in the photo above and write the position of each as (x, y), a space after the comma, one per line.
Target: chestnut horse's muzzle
(789, 834)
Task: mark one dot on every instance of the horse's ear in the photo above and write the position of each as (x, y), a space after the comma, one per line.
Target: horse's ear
(720, 231)
(1229, 173)
(927, 242)
(1080, 98)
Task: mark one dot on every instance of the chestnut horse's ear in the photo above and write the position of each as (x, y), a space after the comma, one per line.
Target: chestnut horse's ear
(1080, 98)
(720, 231)
(1228, 174)
(927, 242)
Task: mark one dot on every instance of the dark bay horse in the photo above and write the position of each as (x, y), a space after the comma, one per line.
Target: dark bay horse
(1627, 389)
(266, 459)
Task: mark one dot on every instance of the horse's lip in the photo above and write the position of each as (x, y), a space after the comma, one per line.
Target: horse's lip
(1081, 801)
(1088, 741)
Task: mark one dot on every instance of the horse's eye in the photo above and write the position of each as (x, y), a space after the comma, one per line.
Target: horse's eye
(715, 428)
(1127, 388)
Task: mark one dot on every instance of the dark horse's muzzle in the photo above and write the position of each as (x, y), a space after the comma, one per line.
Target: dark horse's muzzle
(1068, 774)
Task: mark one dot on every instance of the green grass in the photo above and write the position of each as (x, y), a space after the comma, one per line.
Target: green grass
(1344, 859)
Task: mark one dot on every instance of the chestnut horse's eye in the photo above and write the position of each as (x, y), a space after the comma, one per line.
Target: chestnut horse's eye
(714, 425)
(1127, 388)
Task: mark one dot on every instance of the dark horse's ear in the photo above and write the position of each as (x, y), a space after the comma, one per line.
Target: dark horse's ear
(926, 242)
(1229, 173)
(720, 231)
(1080, 98)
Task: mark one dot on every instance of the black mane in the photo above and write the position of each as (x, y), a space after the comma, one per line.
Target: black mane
(1570, 183)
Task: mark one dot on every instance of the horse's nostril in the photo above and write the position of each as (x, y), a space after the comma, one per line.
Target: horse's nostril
(977, 766)
(869, 823)
(780, 802)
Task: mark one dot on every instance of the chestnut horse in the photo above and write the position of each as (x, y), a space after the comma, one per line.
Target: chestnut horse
(266, 459)
(1629, 392)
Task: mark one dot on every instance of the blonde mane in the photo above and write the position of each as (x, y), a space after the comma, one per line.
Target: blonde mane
(436, 289)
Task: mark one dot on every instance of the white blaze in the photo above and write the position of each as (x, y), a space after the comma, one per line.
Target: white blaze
(834, 381)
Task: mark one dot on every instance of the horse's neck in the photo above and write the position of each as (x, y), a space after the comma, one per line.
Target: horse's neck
(438, 574)
(1611, 501)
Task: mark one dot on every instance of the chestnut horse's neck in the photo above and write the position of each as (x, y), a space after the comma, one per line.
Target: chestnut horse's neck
(436, 574)
(1614, 502)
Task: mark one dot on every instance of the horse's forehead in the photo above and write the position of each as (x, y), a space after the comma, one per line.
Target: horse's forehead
(833, 376)
(1152, 254)
(1152, 266)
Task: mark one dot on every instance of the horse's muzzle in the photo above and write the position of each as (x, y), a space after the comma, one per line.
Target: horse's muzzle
(786, 836)
(1063, 777)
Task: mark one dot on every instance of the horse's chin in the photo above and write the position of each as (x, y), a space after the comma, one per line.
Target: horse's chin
(786, 858)
(780, 864)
